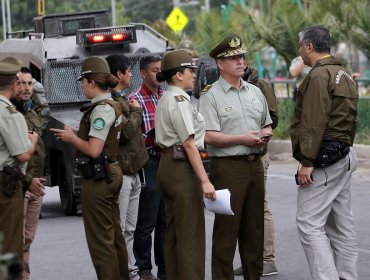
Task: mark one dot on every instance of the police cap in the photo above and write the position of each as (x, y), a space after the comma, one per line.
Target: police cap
(176, 59)
(187, 45)
(10, 66)
(231, 45)
(94, 65)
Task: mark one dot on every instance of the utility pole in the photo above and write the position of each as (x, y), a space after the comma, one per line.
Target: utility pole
(7, 24)
(207, 5)
(113, 4)
(8, 16)
(4, 18)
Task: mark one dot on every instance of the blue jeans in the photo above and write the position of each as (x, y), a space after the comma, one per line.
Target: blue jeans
(150, 217)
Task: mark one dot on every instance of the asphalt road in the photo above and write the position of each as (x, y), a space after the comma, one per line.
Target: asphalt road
(60, 251)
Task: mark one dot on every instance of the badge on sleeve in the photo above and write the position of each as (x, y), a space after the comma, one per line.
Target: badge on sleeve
(179, 98)
(11, 109)
(206, 88)
(99, 124)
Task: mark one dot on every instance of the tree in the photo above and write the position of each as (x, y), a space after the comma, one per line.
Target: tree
(280, 27)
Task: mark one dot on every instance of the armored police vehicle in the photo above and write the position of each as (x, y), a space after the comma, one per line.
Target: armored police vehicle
(54, 52)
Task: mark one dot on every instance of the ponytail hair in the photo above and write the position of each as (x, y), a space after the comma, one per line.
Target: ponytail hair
(102, 80)
(168, 74)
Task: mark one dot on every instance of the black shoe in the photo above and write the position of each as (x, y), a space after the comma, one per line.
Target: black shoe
(147, 275)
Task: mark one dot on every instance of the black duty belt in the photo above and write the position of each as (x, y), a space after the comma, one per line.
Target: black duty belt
(250, 157)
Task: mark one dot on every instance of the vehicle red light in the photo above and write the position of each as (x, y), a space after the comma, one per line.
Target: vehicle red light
(97, 39)
(119, 37)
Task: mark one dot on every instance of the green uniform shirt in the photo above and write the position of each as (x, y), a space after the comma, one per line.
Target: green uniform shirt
(176, 119)
(101, 118)
(13, 134)
(326, 105)
(234, 112)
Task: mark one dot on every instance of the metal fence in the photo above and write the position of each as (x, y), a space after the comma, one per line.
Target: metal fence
(61, 85)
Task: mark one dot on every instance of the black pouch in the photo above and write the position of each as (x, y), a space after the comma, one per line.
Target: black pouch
(11, 179)
(179, 153)
(98, 168)
(83, 165)
(330, 152)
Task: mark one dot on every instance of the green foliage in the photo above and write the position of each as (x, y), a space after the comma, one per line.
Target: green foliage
(210, 30)
(286, 110)
(347, 21)
(280, 28)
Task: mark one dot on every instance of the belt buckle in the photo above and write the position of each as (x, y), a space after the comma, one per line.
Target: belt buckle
(251, 157)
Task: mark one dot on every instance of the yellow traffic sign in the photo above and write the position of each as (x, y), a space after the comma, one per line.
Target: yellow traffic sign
(177, 20)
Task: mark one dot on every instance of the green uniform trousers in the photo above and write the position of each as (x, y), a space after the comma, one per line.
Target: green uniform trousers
(11, 221)
(245, 180)
(184, 244)
(99, 202)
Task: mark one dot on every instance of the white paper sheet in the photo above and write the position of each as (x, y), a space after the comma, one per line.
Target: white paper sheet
(222, 203)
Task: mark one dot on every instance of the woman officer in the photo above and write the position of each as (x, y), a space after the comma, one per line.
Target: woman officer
(97, 142)
(178, 126)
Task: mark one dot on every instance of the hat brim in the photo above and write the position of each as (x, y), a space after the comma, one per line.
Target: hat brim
(80, 77)
(188, 65)
(232, 53)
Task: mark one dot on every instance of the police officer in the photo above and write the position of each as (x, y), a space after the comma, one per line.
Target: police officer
(97, 144)
(16, 148)
(132, 154)
(179, 126)
(269, 266)
(35, 168)
(237, 127)
(323, 129)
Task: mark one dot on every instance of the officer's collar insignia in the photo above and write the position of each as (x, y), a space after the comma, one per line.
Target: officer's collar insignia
(12, 109)
(206, 88)
(234, 42)
(179, 98)
(99, 124)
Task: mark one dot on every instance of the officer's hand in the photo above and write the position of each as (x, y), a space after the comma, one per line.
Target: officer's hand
(37, 186)
(33, 136)
(250, 138)
(134, 104)
(63, 134)
(209, 190)
(304, 177)
(66, 127)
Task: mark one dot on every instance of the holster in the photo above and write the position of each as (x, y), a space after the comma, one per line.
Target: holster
(94, 168)
(12, 175)
(330, 152)
(178, 152)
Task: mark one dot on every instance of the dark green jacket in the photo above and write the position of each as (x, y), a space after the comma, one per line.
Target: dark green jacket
(132, 154)
(326, 105)
(111, 142)
(252, 77)
(35, 166)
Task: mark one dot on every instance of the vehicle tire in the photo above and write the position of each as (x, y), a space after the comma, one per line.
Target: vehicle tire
(67, 197)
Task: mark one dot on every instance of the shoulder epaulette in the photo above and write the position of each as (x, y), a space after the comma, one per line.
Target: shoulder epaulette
(206, 88)
(11, 109)
(179, 98)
